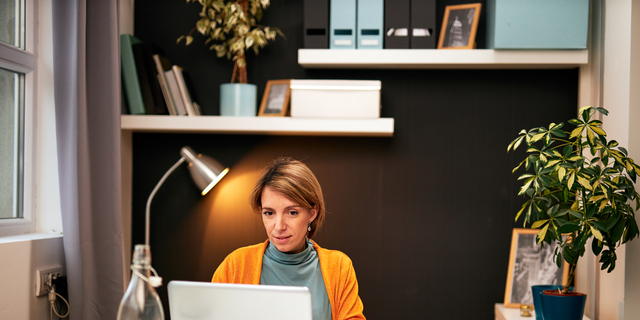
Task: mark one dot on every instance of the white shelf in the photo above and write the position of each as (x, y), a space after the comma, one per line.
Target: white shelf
(442, 59)
(502, 313)
(381, 127)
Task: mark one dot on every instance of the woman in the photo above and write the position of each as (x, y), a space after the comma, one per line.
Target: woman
(289, 199)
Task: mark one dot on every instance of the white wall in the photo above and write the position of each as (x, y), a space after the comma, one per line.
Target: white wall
(18, 265)
(620, 96)
(632, 274)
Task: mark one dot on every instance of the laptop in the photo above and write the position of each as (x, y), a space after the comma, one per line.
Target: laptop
(191, 300)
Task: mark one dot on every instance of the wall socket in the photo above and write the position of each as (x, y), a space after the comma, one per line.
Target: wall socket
(44, 278)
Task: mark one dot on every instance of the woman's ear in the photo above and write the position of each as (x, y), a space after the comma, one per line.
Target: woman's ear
(314, 214)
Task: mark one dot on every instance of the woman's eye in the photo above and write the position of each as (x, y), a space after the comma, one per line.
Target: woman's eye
(293, 213)
(267, 213)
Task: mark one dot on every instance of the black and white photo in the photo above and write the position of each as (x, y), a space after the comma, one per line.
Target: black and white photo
(459, 26)
(530, 264)
(275, 100)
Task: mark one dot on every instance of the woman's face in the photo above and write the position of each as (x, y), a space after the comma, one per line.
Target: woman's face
(285, 221)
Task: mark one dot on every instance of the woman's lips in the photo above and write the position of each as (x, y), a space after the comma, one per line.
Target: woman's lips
(282, 239)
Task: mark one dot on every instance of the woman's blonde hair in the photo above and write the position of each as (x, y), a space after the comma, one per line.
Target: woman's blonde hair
(294, 180)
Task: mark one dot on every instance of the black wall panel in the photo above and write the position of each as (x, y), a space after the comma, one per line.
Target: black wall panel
(425, 215)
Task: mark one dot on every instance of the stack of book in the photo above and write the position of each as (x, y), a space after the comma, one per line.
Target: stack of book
(152, 85)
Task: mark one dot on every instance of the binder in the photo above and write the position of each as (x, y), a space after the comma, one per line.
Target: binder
(370, 21)
(132, 89)
(423, 24)
(184, 91)
(316, 24)
(162, 65)
(397, 15)
(151, 92)
(172, 83)
(342, 21)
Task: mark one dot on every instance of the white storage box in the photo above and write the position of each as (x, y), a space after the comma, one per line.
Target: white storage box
(335, 98)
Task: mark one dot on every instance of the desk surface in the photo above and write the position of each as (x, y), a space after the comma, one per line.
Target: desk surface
(502, 313)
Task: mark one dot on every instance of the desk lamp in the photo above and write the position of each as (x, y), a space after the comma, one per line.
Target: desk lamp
(141, 300)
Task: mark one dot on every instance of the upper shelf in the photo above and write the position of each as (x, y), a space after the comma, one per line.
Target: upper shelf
(380, 127)
(442, 59)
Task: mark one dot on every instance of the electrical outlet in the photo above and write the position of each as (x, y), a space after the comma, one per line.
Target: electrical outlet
(44, 279)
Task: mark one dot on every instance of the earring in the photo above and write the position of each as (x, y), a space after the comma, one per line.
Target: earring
(309, 228)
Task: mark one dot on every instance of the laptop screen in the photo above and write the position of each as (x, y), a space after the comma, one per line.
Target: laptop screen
(189, 300)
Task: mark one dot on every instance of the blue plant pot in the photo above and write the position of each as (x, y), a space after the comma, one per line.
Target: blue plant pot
(536, 291)
(238, 99)
(563, 307)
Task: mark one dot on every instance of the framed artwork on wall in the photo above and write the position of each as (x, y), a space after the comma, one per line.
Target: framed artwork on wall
(459, 26)
(530, 264)
(275, 100)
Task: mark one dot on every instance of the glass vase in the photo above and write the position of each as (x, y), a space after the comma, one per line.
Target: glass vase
(141, 301)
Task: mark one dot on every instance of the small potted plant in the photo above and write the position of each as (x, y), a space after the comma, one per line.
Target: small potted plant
(231, 29)
(580, 185)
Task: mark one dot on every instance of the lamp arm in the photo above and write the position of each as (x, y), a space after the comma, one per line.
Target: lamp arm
(153, 193)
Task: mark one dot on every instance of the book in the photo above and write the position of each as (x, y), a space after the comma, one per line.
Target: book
(184, 91)
(132, 90)
(172, 84)
(147, 75)
(162, 65)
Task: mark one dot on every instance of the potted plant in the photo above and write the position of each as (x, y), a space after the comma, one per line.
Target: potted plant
(577, 184)
(231, 29)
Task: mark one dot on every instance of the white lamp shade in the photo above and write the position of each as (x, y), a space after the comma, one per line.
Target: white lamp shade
(205, 171)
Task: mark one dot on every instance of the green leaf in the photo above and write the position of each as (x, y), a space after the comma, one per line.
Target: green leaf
(561, 173)
(542, 233)
(598, 130)
(576, 132)
(538, 136)
(521, 210)
(617, 231)
(584, 182)
(515, 143)
(572, 178)
(596, 246)
(569, 227)
(539, 224)
(596, 233)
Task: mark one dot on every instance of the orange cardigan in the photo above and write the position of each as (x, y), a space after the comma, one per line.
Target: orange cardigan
(244, 265)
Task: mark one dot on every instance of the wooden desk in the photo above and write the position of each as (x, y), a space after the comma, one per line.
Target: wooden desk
(502, 313)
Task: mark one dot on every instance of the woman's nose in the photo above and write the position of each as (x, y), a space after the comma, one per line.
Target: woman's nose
(280, 223)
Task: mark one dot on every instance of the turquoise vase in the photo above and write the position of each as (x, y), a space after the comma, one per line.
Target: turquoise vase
(563, 307)
(238, 99)
(536, 291)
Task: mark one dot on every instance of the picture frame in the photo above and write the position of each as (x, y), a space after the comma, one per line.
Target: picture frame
(459, 26)
(275, 100)
(530, 264)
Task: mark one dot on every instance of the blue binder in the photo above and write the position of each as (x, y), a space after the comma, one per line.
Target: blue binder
(370, 22)
(342, 24)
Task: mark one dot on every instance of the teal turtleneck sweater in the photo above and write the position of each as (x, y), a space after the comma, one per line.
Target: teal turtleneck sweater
(299, 269)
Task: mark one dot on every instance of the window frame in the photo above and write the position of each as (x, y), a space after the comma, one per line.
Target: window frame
(25, 61)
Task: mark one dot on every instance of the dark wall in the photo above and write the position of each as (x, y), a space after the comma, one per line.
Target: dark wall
(426, 215)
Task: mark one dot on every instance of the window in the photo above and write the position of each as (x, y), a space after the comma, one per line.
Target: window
(17, 88)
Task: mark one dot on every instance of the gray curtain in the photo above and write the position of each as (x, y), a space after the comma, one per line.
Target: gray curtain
(87, 99)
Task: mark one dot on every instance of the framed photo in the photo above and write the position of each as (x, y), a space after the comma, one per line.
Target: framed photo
(275, 100)
(530, 264)
(459, 26)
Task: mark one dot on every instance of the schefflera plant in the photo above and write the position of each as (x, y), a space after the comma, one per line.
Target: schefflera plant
(578, 185)
(231, 26)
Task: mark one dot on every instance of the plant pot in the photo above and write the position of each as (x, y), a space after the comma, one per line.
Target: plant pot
(238, 99)
(536, 291)
(558, 306)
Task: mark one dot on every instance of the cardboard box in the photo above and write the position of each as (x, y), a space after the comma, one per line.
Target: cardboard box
(335, 98)
(537, 24)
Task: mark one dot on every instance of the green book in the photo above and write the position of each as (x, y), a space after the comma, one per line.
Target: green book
(132, 90)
